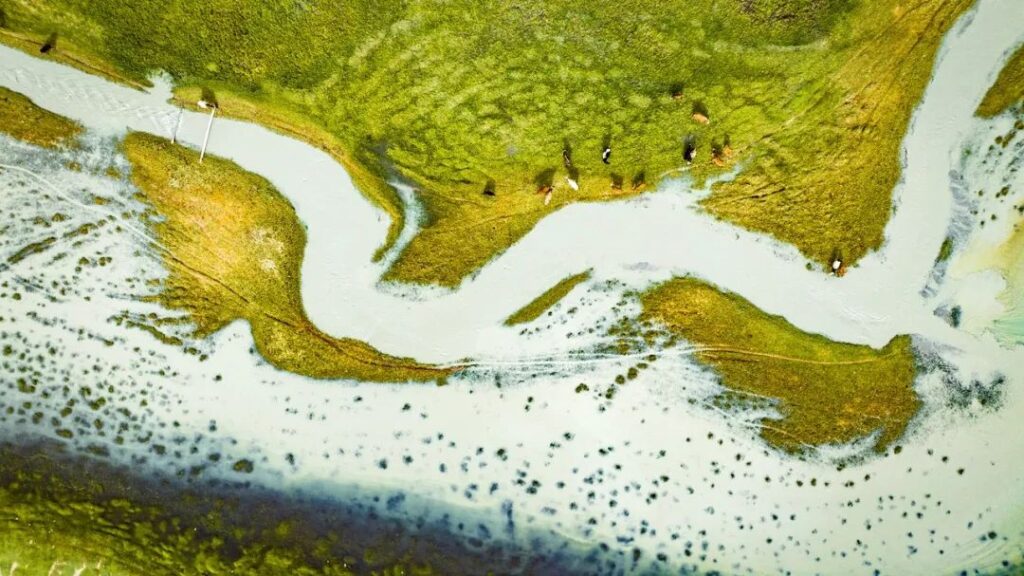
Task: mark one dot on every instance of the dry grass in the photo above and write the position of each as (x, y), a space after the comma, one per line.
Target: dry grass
(233, 247)
(549, 298)
(828, 392)
(20, 118)
(279, 116)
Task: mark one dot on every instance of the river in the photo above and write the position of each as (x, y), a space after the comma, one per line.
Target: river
(638, 241)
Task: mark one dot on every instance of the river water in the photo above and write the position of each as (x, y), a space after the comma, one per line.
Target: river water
(744, 500)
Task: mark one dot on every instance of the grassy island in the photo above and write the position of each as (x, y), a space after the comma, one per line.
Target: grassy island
(827, 392)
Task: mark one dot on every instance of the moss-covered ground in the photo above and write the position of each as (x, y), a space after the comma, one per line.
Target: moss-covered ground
(826, 392)
(549, 298)
(66, 515)
(1008, 88)
(483, 104)
(233, 248)
(20, 118)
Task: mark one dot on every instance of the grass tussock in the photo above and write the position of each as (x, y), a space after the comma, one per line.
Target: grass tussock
(827, 392)
(20, 118)
(233, 247)
(1008, 88)
(545, 301)
(476, 102)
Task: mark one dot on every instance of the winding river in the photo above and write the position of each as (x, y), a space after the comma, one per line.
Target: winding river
(637, 241)
(664, 231)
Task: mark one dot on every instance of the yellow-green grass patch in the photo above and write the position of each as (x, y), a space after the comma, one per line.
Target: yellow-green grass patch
(233, 247)
(824, 173)
(811, 98)
(827, 392)
(545, 301)
(1008, 88)
(20, 118)
(102, 522)
(283, 117)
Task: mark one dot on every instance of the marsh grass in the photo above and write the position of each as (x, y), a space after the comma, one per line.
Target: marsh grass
(545, 301)
(469, 97)
(233, 248)
(20, 118)
(1008, 88)
(827, 392)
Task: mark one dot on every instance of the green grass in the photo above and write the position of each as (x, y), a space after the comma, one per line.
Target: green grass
(233, 248)
(20, 118)
(827, 392)
(812, 97)
(1008, 88)
(945, 251)
(549, 298)
(107, 523)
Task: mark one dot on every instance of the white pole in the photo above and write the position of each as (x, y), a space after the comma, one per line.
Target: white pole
(206, 138)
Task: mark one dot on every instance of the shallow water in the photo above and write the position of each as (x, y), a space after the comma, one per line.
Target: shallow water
(658, 468)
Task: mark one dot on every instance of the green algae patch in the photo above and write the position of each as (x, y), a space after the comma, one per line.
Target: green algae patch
(827, 392)
(478, 103)
(1008, 88)
(20, 118)
(549, 298)
(945, 250)
(233, 247)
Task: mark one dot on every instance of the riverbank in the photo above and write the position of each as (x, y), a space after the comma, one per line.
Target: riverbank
(233, 248)
(20, 118)
(479, 125)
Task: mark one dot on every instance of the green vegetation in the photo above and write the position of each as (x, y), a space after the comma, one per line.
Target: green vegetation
(549, 298)
(945, 251)
(20, 118)
(1008, 89)
(475, 101)
(827, 392)
(233, 248)
(104, 522)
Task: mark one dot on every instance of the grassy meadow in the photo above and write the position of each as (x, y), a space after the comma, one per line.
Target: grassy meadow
(20, 118)
(488, 106)
(1008, 88)
(826, 392)
(233, 248)
(67, 516)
